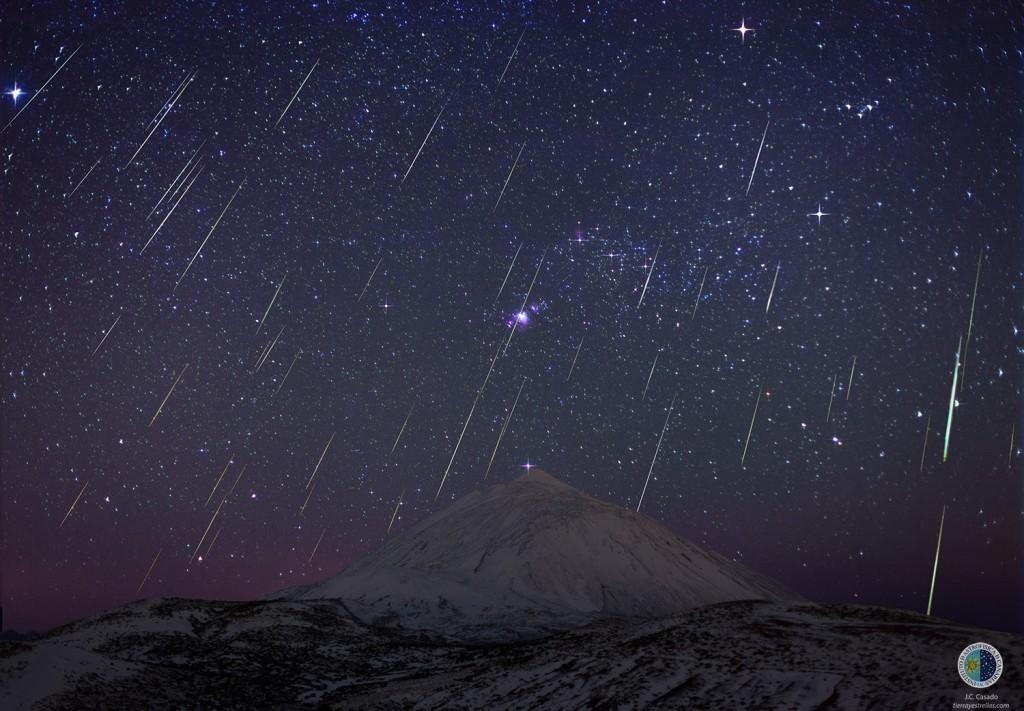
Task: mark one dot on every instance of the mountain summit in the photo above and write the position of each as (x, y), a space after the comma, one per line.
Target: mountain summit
(532, 555)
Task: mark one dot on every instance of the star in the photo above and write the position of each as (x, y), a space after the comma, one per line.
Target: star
(819, 214)
(15, 93)
(743, 30)
(528, 466)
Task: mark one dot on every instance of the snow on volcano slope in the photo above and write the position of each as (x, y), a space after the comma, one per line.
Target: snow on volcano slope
(535, 554)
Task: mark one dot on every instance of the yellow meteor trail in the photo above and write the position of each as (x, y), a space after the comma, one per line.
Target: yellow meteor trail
(935, 568)
(73, 505)
(146, 577)
(320, 461)
(750, 431)
(161, 408)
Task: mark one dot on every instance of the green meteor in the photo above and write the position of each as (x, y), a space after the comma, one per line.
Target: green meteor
(935, 568)
(952, 401)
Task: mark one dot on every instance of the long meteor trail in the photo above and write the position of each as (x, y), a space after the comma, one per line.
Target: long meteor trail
(772, 292)
(526, 299)
(104, 339)
(935, 567)
(271, 305)
(168, 397)
(40, 90)
(400, 431)
(510, 58)
(751, 181)
(208, 234)
(649, 273)
(700, 291)
(507, 274)
(508, 418)
(296, 94)
(952, 402)
(73, 505)
(503, 187)
(162, 113)
(750, 431)
(174, 207)
(657, 449)
(970, 324)
(575, 358)
(150, 570)
(321, 460)
(425, 139)
(75, 189)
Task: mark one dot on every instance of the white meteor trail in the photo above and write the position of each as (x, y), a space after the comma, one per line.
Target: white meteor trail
(73, 505)
(849, 387)
(425, 139)
(700, 291)
(751, 181)
(321, 460)
(103, 340)
(510, 58)
(75, 189)
(295, 96)
(750, 431)
(219, 218)
(162, 114)
(952, 402)
(400, 431)
(831, 398)
(650, 375)
(501, 434)
(1013, 432)
(649, 273)
(174, 207)
(175, 181)
(924, 447)
(288, 372)
(271, 304)
(217, 484)
(502, 194)
(772, 292)
(40, 90)
(656, 450)
(458, 443)
(302, 509)
(575, 358)
(266, 353)
(935, 567)
(168, 397)
(151, 566)
(526, 299)
(367, 286)
(316, 546)
(970, 324)
(394, 513)
(208, 526)
(507, 274)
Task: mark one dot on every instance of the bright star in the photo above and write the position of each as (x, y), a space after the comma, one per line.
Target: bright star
(819, 214)
(743, 30)
(528, 466)
(15, 93)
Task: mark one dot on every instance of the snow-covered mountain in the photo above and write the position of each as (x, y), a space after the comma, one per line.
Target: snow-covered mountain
(532, 555)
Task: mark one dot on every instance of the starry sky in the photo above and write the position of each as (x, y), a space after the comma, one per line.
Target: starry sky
(698, 221)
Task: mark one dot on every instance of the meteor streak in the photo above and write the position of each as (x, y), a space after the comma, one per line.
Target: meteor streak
(151, 565)
(83, 179)
(279, 118)
(657, 449)
(208, 526)
(952, 402)
(162, 114)
(103, 340)
(650, 375)
(649, 273)
(503, 283)
(924, 447)
(317, 467)
(271, 304)
(175, 181)
(316, 546)
(970, 324)
(416, 157)
(40, 90)
(288, 372)
(305, 503)
(395, 512)
(458, 443)
(515, 322)
(849, 387)
(751, 181)
(504, 427)
(395, 445)
(832, 397)
(502, 194)
(510, 58)
(266, 353)
(1013, 431)
(361, 293)
(174, 206)
(751, 430)
(219, 218)
(73, 505)
(160, 409)
(772, 292)
(575, 358)
(935, 568)
(223, 472)
(700, 291)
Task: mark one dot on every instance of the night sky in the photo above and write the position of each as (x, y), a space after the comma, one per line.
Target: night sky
(614, 145)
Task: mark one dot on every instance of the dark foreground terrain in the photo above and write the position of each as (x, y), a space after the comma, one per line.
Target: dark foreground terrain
(175, 653)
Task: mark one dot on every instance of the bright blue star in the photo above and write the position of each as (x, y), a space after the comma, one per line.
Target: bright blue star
(15, 93)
